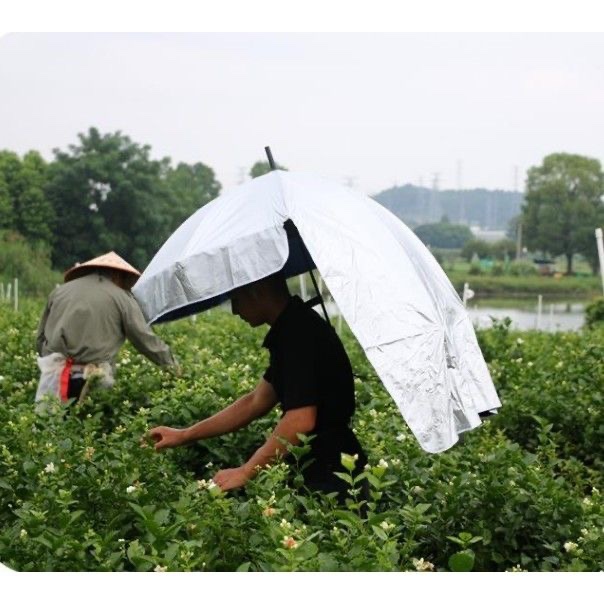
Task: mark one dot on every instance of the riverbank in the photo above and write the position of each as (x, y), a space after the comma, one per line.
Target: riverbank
(507, 285)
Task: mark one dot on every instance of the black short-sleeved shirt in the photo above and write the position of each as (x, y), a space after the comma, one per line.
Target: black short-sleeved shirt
(309, 366)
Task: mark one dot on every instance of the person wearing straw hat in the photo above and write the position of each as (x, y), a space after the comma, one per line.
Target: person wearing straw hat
(85, 322)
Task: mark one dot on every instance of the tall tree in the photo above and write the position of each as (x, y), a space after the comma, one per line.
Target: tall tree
(108, 195)
(190, 187)
(563, 206)
(22, 193)
(6, 206)
(262, 167)
(36, 217)
(444, 234)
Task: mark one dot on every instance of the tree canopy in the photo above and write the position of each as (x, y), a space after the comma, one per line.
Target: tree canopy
(563, 206)
(262, 167)
(444, 234)
(109, 194)
(24, 207)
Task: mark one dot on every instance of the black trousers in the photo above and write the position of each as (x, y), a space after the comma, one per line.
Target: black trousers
(75, 387)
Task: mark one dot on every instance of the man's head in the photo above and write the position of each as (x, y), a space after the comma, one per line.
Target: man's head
(262, 301)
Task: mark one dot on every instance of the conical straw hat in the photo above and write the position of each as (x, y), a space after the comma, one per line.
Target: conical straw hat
(110, 260)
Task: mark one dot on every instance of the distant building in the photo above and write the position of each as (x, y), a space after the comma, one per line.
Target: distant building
(545, 266)
(487, 235)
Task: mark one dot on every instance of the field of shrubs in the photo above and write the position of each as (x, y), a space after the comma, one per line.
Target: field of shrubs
(81, 490)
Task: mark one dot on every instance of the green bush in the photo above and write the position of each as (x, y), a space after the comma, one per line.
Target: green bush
(522, 268)
(594, 313)
(27, 262)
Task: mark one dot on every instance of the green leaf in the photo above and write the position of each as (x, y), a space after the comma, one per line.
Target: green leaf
(462, 562)
(161, 516)
(344, 477)
(138, 509)
(380, 533)
(347, 517)
(307, 550)
(171, 551)
(44, 541)
(327, 563)
(244, 568)
(373, 480)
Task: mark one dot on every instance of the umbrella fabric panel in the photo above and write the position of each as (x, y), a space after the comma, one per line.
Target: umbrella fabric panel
(231, 241)
(464, 357)
(398, 305)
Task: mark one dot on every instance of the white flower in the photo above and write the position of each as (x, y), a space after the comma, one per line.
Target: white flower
(417, 490)
(395, 461)
(422, 565)
(401, 437)
(121, 541)
(50, 468)
(23, 534)
(529, 364)
(570, 546)
(516, 569)
(373, 413)
(587, 501)
(382, 463)
(559, 364)
(160, 569)
(284, 524)
(1, 378)
(386, 525)
(519, 341)
(130, 489)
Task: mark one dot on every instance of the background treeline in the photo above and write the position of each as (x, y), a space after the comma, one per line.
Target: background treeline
(103, 193)
(106, 192)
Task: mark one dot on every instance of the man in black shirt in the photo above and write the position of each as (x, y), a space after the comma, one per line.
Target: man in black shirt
(309, 376)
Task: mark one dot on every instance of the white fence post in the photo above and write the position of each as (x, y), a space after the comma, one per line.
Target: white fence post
(551, 317)
(539, 310)
(16, 294)
(600, 254)
(8, 291)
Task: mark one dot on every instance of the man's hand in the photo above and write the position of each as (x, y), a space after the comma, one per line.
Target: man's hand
(175, 369)
(232, 478)
(165, 437)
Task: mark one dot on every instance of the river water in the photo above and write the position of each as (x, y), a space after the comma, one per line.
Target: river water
(556, 314)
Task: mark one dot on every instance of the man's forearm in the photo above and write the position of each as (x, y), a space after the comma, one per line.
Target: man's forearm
(274, 447)
(235, 416)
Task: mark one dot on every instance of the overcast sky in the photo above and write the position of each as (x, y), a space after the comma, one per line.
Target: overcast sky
(382, 109)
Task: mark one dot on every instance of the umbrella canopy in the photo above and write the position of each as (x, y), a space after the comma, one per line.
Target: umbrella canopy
(392, 292)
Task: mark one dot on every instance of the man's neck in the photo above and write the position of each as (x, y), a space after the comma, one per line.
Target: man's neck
(276, 309)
